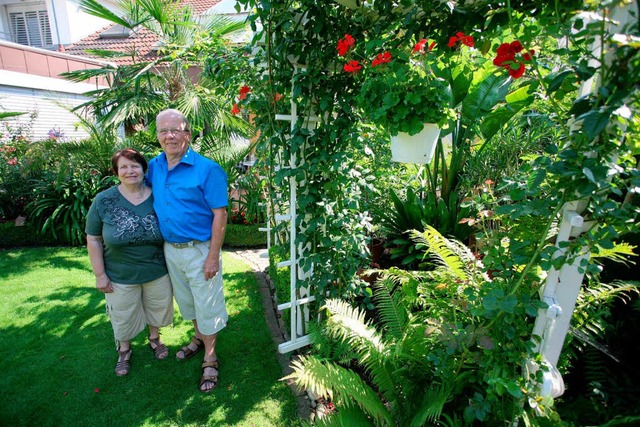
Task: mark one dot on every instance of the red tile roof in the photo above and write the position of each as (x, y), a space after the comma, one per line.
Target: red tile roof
(141, 42)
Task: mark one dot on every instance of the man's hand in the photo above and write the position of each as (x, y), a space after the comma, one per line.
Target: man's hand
(211, 267)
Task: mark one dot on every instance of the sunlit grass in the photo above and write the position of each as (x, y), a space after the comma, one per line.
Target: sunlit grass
(58, 354)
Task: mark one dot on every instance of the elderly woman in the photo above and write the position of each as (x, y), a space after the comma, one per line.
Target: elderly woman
(126, 252)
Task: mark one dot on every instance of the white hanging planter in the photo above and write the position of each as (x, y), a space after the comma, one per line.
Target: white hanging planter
(418, 148)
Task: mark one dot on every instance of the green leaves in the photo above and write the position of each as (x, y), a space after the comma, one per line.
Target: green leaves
(486, 91)
(594, 122)
(515, 102)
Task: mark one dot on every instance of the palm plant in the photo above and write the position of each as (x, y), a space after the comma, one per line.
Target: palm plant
(138, 91)
(430, 356)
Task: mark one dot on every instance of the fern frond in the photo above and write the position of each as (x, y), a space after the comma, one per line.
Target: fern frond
(346, 415)
(442, 251)
(618, 253)
(350, 322)
(328, 347)
(329, 380)
(593, 309)
(432, 404)
(606, 293)
(392, 313)
(620, 420)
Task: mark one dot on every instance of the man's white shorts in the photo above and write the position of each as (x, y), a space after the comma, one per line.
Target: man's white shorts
(197, 298)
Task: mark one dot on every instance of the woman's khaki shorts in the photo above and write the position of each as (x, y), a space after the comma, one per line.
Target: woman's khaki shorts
(132, 307)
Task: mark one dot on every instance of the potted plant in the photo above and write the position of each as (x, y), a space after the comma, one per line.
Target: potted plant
(400, 93)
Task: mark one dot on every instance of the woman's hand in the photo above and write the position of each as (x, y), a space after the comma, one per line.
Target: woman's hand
(103, 283)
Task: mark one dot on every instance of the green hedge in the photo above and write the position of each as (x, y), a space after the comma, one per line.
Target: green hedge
(236, 236)
(245, 236)
(26, 235)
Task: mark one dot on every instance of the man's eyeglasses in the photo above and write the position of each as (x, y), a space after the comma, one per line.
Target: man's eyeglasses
(164, 132)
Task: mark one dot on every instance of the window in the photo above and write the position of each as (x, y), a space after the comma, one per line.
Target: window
(31, 28)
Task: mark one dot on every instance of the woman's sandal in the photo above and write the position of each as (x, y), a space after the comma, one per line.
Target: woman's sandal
(209, 378)
(123, 365)
(188, 352)
(160, 350)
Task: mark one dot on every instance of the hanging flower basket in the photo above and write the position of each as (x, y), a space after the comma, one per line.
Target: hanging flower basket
(418, 148)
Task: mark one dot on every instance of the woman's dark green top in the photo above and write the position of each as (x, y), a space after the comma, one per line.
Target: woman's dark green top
(132, 242)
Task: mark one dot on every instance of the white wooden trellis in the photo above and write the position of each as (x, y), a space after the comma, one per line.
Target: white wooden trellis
(299, 314)
(562, 287)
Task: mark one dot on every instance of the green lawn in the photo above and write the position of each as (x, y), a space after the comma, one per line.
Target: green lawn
(58, 354)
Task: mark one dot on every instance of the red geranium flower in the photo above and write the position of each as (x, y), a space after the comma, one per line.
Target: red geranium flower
(13, 161)
(352, 67)
(506, 58)
(419, 47)
(235, 110)
(382, 58)
(345, 44)
(462, 38)
(528, 56)
(278, 96)
(244, 90)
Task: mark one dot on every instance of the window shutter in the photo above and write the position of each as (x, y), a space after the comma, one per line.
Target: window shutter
(19, 28)
(31, 28)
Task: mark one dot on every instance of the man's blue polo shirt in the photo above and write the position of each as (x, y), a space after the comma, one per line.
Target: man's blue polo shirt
(185, 195)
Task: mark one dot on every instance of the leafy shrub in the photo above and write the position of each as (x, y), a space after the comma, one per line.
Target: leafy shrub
(62, 202)
(446, 348)
(15, 180)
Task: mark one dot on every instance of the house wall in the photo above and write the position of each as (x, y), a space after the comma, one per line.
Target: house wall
(45, 109)
(30, 83)
(41, 62)
(67, 23)
(73, 24)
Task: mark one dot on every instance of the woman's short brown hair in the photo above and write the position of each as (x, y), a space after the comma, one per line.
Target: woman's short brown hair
(131, 154)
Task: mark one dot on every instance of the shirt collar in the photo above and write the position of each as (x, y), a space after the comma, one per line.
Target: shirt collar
(187, 158)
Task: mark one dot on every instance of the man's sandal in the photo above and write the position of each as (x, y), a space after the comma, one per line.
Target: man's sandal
(209, 378)
(187, 352)
(123, 365)
(160, 350)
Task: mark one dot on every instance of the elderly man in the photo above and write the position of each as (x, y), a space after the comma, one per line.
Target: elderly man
(190, 200)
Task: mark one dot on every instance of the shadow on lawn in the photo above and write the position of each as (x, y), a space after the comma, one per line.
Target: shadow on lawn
(18, 261)
(58, 369)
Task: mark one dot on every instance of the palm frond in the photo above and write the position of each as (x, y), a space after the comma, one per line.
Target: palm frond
(228, 158)
(90, 73)
(134, 107)
(95, 8)
(337, 383)
(219, 25)
(159, 11)
(102, 53)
